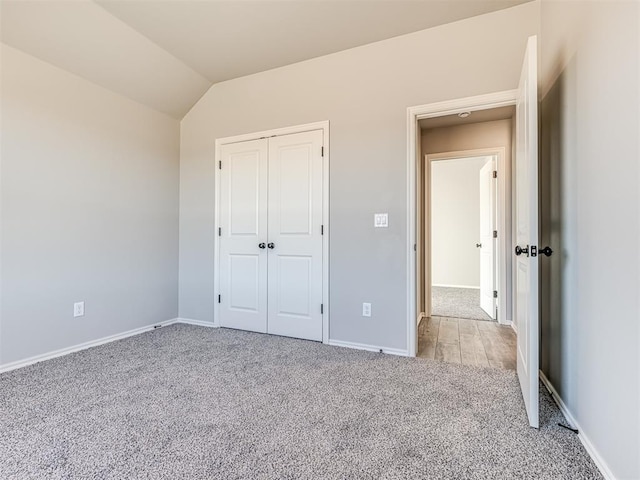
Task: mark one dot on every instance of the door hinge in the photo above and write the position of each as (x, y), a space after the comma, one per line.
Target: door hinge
(219, 231)
(220, 165)
(495, 294)
(495, 234)
(321, 229)
(322, 308)
(322, 151)
(219, 299)
(495, 174)
(415, 247)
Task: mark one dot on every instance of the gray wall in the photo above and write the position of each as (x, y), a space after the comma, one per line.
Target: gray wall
(590, 216)
(364, 93)
(89, 210)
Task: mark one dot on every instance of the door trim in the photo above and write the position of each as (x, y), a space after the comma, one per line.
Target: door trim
(324, 126)
(439, 109)
(503, 224)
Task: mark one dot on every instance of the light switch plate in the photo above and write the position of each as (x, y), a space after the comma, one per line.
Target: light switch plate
(366, 309)
(381, 220)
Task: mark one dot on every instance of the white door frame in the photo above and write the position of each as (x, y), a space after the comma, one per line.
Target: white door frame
(502, 224)
(451, 107)
(324, 126)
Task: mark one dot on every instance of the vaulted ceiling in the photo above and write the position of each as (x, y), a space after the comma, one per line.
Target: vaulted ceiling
(167, 53)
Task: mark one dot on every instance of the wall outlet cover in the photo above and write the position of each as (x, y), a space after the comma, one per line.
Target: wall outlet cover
(366, 309)
(78, 309)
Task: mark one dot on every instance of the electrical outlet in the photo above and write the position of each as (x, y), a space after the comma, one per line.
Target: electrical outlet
(366, 309)
(78, 309)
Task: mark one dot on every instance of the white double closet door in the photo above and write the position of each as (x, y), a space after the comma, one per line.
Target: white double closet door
(270, 250)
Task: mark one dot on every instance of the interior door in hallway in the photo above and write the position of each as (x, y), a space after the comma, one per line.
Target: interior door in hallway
(243, 231)
(295, 235)
(487, 242)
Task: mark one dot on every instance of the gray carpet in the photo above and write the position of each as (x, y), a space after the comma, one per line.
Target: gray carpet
(192, 402)
(457, 303)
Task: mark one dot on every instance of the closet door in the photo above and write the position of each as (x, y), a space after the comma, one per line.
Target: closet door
(295, 235)
(243, 223)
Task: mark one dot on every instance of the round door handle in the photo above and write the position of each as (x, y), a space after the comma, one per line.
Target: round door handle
(271, 245)
(478, 245)
(546, 251)
(520, 250)
(262, 245)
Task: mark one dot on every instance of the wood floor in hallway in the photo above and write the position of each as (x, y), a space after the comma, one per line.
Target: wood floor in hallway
(469, 342)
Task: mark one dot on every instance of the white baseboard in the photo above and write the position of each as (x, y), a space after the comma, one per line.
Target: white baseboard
(200, 323)
(455, 286)
(586, 442)
(83, 346)
(514, 327)
(370, 348)
(421, 317)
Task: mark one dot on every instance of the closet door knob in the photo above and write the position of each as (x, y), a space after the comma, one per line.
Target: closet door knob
(262, 245)
(271, 245)
(520, 250)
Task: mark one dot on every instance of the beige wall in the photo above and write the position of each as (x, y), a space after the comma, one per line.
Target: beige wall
(473, 136)
(590, 216)
(364, 93)
(89, 210)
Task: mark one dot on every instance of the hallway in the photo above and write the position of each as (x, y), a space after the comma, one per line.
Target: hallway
(469, 342)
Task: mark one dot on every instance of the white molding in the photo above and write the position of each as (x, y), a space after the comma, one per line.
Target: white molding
(307, 127)
(586, 442)
(83, 346)
(514, 327)
(455, 286)
(199, 323)
(480, 102)
(421, 317)
(370, 348)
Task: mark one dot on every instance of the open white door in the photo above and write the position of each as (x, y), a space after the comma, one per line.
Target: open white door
(526, 249)
(487, 242)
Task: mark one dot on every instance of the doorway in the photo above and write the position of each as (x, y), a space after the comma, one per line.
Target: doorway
(461, 234)
(464, 226)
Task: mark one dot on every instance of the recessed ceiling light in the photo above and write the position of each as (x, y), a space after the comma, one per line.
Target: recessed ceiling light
(464, 114)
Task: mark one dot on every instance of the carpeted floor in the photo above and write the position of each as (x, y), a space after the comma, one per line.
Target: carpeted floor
(457, 303)
(192, 402)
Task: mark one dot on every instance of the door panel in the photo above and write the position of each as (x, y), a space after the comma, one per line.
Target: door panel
(244, 284)
(487, 242)
(526, 165)
(243, 220)
(295, 220)
(294, 285)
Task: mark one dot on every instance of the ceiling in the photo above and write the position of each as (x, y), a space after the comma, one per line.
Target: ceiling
(500, 113)
(167, 53)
